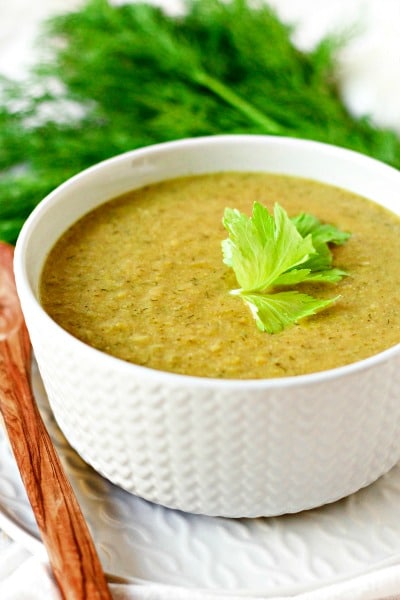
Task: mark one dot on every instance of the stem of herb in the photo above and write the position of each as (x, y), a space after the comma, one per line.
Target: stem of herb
(250, 111)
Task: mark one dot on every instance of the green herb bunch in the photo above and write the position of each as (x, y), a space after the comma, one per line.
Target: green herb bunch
(110, 79)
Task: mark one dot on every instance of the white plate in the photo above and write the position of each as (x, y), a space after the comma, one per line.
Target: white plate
(137, 540)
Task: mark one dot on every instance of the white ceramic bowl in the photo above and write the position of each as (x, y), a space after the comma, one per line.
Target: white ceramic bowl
(219, 447)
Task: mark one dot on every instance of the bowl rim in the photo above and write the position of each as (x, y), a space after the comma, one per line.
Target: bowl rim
(23, 286)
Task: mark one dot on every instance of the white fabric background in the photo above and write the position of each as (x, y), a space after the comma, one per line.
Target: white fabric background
(370, 82)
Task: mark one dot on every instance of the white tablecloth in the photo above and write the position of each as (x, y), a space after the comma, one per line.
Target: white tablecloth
(370, 69)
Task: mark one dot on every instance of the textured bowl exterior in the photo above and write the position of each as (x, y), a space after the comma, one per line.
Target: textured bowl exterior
(231, 448)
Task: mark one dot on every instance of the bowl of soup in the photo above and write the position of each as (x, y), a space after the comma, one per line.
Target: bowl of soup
(159, 377)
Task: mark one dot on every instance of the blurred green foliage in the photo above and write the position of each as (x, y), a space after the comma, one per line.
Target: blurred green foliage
(110, 79)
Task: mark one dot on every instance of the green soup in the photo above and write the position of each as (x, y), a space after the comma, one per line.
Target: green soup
(141, 277)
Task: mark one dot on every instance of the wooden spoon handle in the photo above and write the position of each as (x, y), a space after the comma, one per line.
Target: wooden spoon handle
(64, 531)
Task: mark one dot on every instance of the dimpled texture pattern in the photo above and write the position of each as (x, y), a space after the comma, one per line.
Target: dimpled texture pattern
(237, 451)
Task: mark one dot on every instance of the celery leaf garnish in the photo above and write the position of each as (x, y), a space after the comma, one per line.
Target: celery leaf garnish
(267, 251)
(274, 312)
(260, 248)
(322, 234)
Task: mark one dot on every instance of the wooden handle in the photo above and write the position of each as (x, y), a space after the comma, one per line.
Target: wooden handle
(64, 531)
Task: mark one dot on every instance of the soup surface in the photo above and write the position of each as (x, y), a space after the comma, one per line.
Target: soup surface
(142, 278)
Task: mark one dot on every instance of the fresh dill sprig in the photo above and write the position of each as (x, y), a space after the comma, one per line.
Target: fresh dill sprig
(109, 79)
